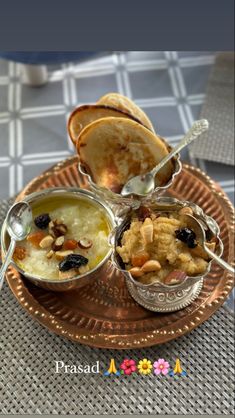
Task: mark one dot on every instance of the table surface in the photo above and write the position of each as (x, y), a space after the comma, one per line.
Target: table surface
(170, 87)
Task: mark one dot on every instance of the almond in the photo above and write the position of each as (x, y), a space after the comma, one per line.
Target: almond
(136, 272)
(60, 255)
(175, 277)
(46, 242)
(85, 243)
(58, 243)
(146, 231)
(151, 265)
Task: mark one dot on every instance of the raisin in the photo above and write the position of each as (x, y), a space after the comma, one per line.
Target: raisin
(36, 237)
(143, 212)
(42, 221)
(19, 253)
(72, 261)
(187, 236)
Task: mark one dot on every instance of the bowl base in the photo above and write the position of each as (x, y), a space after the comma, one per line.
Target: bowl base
(170, 301)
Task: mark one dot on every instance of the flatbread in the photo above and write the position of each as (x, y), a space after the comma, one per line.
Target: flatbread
(83, 115)
(124, 104)
(115, 149)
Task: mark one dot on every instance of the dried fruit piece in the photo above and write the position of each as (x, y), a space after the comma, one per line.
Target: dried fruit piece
(151, 265)
(46, 242)
(136, 272)
(187, 236)
(143, 212)
(19, 253)
(35, 238)
(175, 277)
(42, 221)
(139, 258)
(60, 255)
(70, 244)
(58, 243)
(72, 261)
(146, 231)
(85, 243)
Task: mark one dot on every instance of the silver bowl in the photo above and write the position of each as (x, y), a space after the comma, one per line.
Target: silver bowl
(118, 199)
(77, 281)
(159, 297)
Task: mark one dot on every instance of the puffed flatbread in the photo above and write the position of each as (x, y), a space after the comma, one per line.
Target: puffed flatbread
(124, 104)
(115, 149)
(83, 115)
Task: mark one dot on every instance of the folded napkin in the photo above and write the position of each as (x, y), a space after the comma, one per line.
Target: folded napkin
(217, 144)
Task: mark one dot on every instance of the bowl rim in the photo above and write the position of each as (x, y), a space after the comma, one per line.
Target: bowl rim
(31, 198)
(189, 280)
(117, 197)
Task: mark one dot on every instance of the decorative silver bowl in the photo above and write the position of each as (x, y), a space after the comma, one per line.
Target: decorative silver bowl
(160, 297)
(77, 281)
(133, 202)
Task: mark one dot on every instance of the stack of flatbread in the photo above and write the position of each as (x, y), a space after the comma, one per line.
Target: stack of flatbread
(115, 141)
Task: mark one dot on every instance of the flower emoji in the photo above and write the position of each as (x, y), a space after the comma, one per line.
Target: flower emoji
(161, 366)
(145, 366)
(128, 366)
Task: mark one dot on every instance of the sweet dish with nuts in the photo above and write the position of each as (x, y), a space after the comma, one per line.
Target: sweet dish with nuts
(68, 238)
(160, 247)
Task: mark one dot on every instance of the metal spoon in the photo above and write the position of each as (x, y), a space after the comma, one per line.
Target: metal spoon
(18, 222)
(195, 225)
(144, 184)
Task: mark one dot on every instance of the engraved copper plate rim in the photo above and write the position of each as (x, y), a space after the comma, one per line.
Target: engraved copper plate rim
(105, 315)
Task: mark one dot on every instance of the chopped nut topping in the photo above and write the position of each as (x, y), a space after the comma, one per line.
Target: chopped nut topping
(57, 228)
(85, 243)
(68, 274)
(58, 243)
(175, 277)
(151, 265)
(146, 231)
(46, 242)
(50, 254)
(60, 255)
(136, 272)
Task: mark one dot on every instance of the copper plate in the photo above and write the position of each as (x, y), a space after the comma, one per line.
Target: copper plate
(104, 314)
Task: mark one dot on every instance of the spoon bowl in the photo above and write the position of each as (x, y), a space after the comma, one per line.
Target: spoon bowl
(18, 224)
(144, 184)
(19, 220)
(197, 227)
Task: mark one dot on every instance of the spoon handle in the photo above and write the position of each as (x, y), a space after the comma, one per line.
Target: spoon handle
(219, 260)
(7, 261)
(198, 127)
